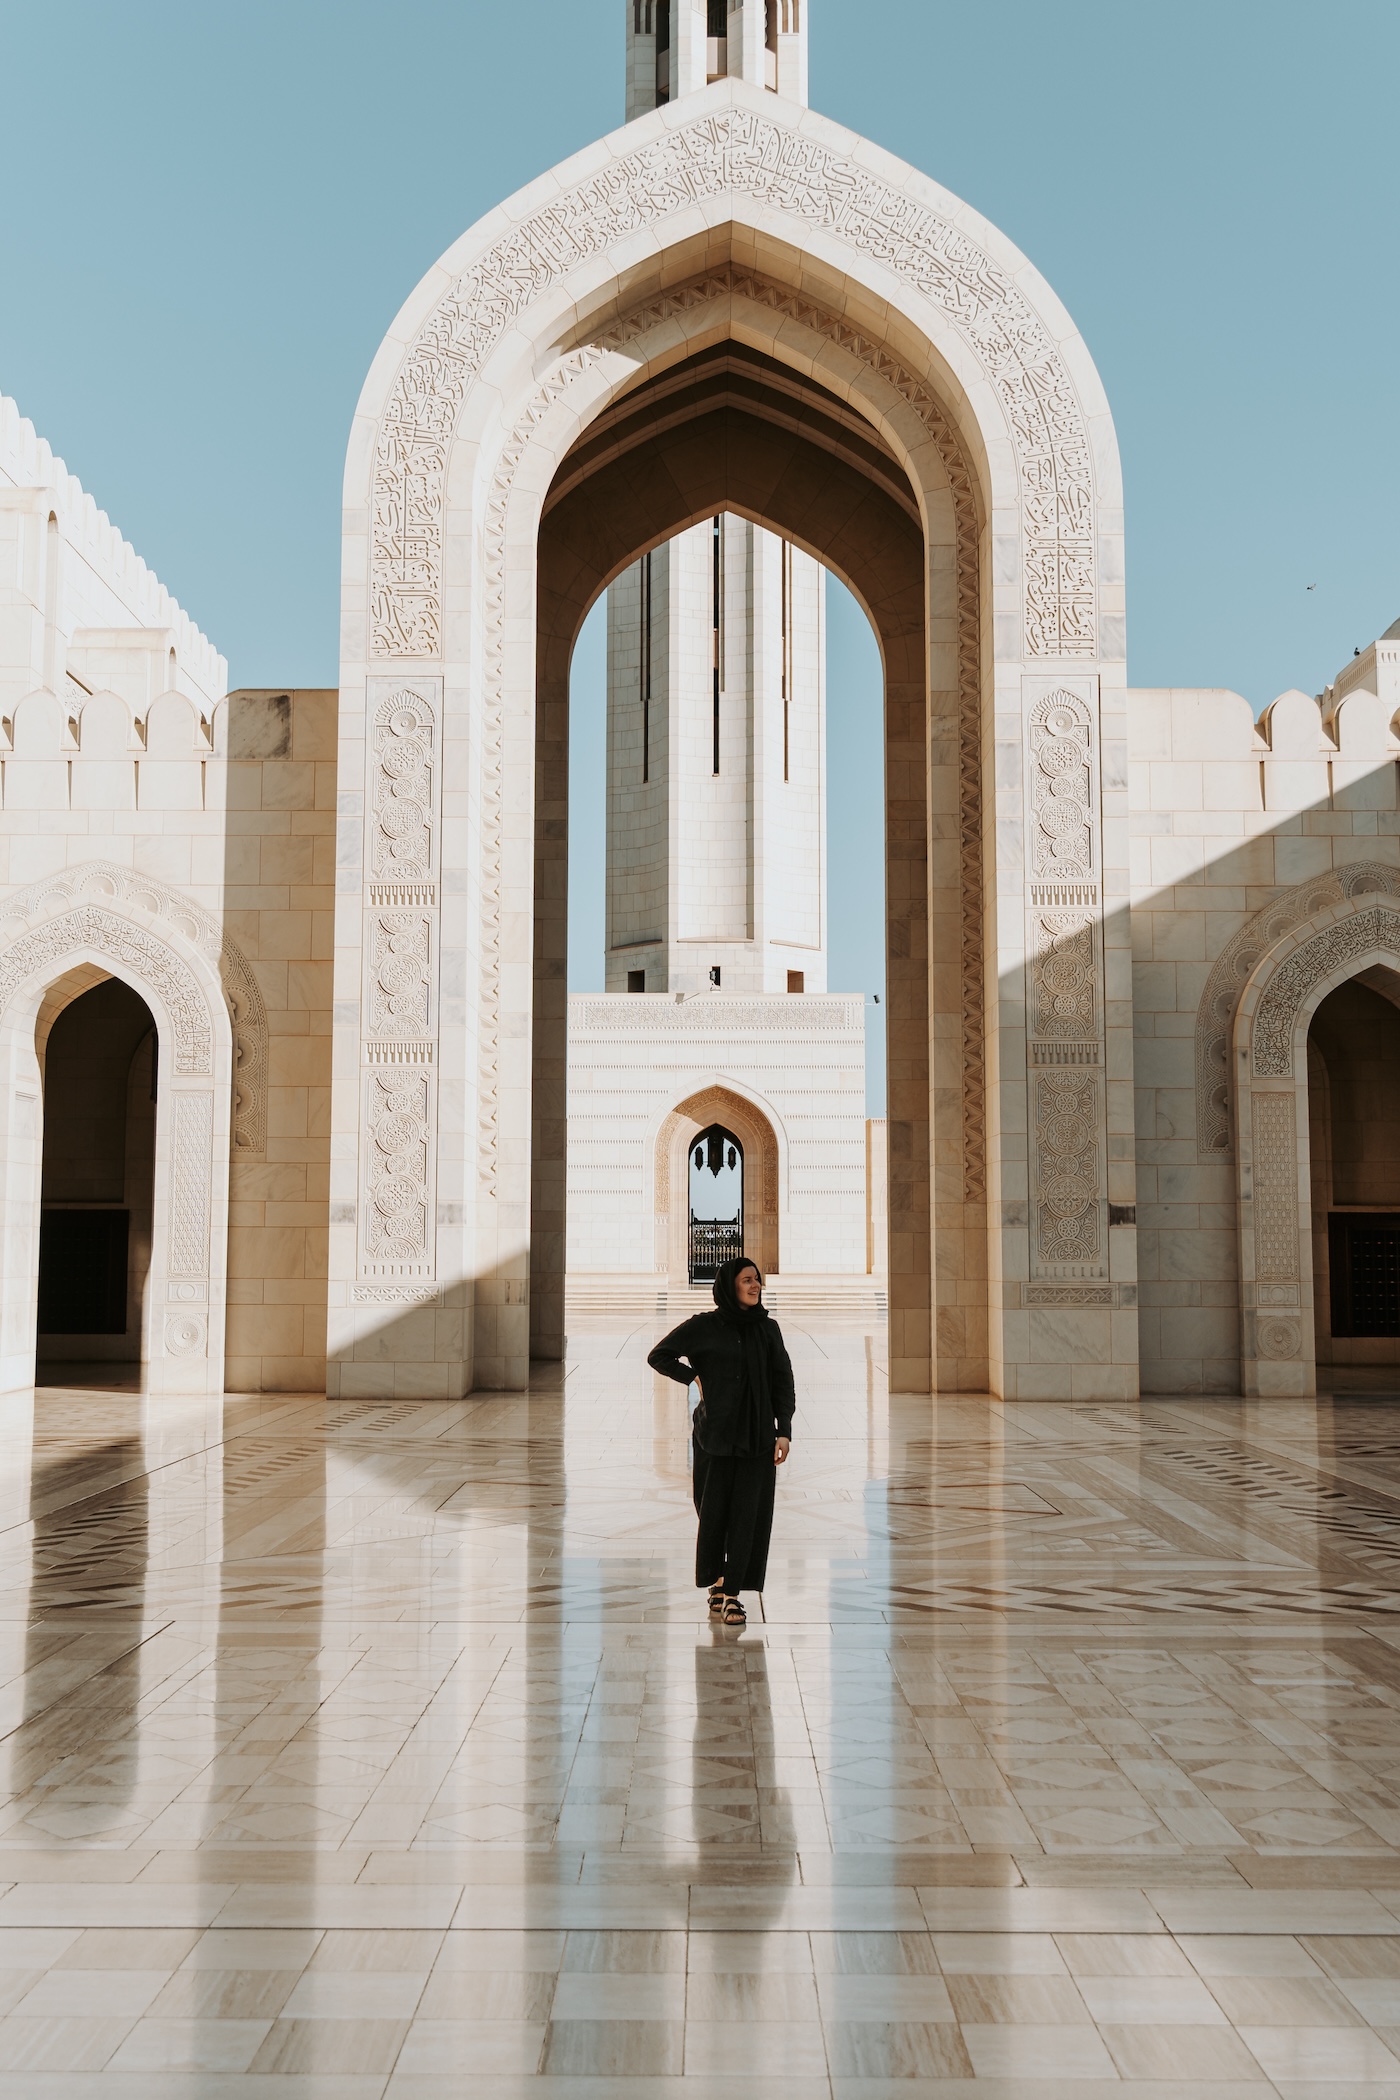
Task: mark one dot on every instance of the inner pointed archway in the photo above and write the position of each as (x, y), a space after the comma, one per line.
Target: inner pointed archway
(729, 429)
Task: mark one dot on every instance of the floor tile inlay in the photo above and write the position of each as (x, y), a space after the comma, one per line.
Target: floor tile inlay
(357, 1752)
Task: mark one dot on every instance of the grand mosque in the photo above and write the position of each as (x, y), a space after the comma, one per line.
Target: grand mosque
(295, 1096)
(370, 1729)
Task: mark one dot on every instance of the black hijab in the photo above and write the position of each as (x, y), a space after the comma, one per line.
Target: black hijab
(749, 1322)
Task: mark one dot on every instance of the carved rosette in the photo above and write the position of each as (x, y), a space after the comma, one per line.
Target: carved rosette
(399, 1003)
(1064, 1005)
(1065, 977)
(186, 1334)
(401, 972)
(1062, 762)
(402, 837)
(1278, 1339)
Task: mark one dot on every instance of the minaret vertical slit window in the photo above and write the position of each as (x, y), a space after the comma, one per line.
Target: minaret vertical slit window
(645, 666)
(717, 632)
(663, 52)
(786, 569)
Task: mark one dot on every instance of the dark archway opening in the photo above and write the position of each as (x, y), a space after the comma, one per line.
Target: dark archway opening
(1354, 1149)
(97, 1191)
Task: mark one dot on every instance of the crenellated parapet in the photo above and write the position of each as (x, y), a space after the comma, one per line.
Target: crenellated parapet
(79, 609)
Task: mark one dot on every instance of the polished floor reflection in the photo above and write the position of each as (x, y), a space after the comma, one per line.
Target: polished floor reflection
(355, 1751)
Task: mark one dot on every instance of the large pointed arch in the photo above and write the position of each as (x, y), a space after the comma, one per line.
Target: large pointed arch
(735, 261)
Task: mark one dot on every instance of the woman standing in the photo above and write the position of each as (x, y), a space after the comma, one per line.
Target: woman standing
(742, 1430)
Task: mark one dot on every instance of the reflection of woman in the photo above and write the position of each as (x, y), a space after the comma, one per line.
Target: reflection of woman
(743, 1430)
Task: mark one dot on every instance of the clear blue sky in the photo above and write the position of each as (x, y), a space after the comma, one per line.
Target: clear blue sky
(213, 211)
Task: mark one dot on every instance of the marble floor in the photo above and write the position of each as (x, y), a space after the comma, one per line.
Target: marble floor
(357, 1752)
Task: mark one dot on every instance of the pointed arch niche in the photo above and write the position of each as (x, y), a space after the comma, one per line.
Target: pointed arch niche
(62, 954)
(762, 1178)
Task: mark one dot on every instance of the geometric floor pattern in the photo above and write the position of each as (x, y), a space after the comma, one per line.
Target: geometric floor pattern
(358, 1752)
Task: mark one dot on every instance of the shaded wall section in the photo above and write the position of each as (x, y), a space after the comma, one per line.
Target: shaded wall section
(278, 906)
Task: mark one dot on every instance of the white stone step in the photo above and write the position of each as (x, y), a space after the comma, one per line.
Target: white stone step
(848, 1299)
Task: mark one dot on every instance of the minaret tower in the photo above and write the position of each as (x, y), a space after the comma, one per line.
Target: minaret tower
(675, 46)
(716, 672)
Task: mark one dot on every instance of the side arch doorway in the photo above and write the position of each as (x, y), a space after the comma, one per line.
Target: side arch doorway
(1353, 1054)
(97, 1184)
(99, 1009)
(1318, 1149)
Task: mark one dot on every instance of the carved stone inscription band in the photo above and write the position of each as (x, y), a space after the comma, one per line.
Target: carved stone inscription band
(1376, 930)
(815, 188)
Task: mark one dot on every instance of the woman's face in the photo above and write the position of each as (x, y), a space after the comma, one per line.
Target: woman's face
(747, 1285)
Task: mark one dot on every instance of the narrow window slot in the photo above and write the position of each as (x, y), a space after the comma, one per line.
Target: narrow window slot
(786, 567)
(716, 593)
(646, 668)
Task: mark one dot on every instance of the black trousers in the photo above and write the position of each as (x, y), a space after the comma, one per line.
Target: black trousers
(734, 1502)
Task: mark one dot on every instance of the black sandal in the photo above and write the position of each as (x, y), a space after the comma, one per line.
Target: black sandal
(732, 1612)
(716, 1598)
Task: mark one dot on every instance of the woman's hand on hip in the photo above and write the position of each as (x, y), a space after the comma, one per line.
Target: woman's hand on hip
(781, 1450)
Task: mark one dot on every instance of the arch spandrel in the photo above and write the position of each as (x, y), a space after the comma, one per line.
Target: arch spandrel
(507, 291)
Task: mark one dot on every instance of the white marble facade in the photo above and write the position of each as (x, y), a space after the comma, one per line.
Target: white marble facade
(158, 829)
(1143, 950)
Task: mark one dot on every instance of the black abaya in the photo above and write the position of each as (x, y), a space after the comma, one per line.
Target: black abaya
(737, 1354)
(734, 1503)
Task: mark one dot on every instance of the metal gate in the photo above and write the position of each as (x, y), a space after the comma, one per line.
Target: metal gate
(716, 1201)
(1364, 1256)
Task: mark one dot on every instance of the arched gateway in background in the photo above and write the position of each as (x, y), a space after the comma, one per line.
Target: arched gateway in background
(733, 305)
